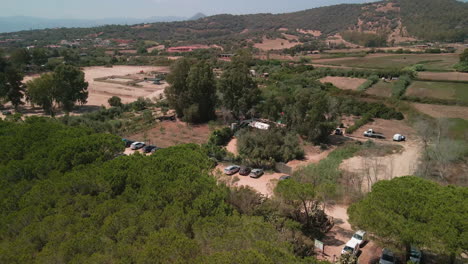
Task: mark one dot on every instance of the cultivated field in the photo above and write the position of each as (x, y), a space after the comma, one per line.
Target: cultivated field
(439, 90)
(443, 76)
(432, 62)
(344, 83)
(383, 89)
(443, 111)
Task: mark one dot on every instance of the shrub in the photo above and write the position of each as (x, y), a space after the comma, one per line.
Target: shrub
(221, 137)
(373, 79)
(399, 87)
(265, 147)
(115, 101)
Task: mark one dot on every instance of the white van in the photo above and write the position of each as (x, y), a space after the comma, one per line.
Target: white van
(352, 247)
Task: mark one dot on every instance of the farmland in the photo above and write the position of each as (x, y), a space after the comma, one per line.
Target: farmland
(344, 83)
(439, 90)
(383, 89)
(432, 62)
(442, 111)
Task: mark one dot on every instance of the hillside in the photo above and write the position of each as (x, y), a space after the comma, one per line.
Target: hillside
(393, 20)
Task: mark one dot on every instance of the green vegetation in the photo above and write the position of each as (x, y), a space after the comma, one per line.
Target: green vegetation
(239, 91)
(450, 91)
(193, 91)
(411, 211)
(266, 147)
(431, 62)
(64, 87)
(462, 66)
(66, 198)
(373, 79)
(115, 101)
(11, 86)
(400, 86)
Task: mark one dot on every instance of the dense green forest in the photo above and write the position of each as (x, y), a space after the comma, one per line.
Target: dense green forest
(67, 198)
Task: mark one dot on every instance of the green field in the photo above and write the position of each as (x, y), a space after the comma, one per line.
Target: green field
(432, 62)
(439, 90)
(458, 128)
(383, 89)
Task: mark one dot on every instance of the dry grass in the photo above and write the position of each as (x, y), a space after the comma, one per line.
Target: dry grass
(383, 89)
(439, 90)
(443, 111)
(443, 76)
(275, 44)
(344, 83)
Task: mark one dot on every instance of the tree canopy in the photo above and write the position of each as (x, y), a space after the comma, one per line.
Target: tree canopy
(413, 211)
(192, 90)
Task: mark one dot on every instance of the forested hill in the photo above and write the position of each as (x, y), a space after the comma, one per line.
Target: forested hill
(432, 20)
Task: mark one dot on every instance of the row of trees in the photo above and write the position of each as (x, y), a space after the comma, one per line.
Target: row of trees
(193, 92)
(11, 86)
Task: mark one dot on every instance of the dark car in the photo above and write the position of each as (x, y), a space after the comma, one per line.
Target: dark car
(284, 177)
(127, 142)
(148, 149)
(6, 113)
(244, 171)
(338, 132)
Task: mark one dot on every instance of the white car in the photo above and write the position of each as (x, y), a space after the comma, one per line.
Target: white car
(137, 145)
(231, 170)
(352, 248)
(359, 237)
(398, 137)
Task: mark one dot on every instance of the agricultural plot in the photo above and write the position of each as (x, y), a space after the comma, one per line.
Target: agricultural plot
(443, 111)
(383, 89)
(432, 62)
(344, 83)
(443, 76)
(439, 90)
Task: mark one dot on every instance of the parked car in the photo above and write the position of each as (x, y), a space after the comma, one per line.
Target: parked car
(387, 257)
(371, 133)
(284, 177)
(352, 248)
(415, 255)
(137, 145)
(231, 170)
(256, 173)
(244, 171)
(360, 237)
(127, 142)
(5, 113)
(398, 137)
(148, 149)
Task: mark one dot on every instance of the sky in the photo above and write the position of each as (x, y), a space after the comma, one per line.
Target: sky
(95, 9)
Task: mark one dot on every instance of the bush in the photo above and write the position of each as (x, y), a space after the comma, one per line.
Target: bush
(399, 87)
(115, 101)
(364, 120)
(373, 79)
(221, 137)
(265, 147)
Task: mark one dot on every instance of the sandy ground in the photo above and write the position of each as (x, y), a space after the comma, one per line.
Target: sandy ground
(345, 83)
(315, 33)
(443, 111)
(232, 146)
(446, 76)
(275, 44)
(372, 169)
(100, 92)
(341, 233)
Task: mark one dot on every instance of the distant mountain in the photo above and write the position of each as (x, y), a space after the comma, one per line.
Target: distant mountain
(384, 21)
(19, 23)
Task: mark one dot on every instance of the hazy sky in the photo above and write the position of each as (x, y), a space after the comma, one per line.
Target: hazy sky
(148, 8)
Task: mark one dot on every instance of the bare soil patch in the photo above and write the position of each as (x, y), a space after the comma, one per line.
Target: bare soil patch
(442, 111)
(275, 44)
(345, 83)
(315, 33)
(341, 233)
